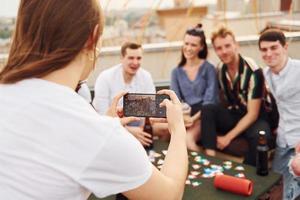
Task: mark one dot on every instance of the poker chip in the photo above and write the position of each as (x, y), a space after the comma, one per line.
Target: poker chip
(196, 183)
(196, 166)
(227, 167)
(202, 161)
(227, 163)
(197, 158)
(201, 167)
(206, 162)
(193, 153)
(195, 173)
(217, 167)
(240, 175)
(164, 152)
(191, 176)
(152, 159)
(239, 168)
(206, 176)
(160, 162)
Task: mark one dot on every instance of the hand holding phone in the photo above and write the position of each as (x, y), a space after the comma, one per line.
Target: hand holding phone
(115, 111)
(144, 105)
(174, 111)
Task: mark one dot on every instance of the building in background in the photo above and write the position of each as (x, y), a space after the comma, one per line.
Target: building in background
(159, 25)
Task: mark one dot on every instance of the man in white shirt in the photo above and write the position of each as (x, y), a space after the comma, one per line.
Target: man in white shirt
(282, 74)
(127, 76)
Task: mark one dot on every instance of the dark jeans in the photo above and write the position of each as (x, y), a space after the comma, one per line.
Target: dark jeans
(196, 108)
(218, 120)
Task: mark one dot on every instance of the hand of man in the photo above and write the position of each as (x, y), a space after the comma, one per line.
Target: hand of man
(114, 110)
(188, 121)
(295, 162)
(138, 133)
(174, 111)
(222, 142)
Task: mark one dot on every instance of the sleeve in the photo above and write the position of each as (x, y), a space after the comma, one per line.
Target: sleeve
(102, 94)
(256, 85)
(121, 165)
(211, 92)
(174, 83)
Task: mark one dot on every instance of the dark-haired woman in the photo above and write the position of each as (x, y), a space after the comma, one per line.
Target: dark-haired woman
(53, 144)
(194, 81)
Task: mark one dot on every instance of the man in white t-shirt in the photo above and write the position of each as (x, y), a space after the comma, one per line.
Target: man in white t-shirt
(127, 76)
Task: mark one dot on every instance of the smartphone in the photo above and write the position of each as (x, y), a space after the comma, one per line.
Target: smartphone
(144, 105)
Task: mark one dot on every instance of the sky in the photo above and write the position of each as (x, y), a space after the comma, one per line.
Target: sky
(8, 8)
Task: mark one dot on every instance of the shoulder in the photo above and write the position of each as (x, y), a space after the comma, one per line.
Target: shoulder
(251, 64)
(266, 71)
(107, 73)
(142, 73)
(219, 66)
(175, 70)
(209, 66)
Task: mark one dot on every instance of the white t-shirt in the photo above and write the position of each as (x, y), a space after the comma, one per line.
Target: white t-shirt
(53, 145)
(111, 82)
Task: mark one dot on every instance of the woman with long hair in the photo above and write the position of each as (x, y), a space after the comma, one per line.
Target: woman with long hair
(53, 144)
(194, 81)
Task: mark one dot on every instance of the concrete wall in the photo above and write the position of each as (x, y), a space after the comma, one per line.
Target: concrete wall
(160, 59)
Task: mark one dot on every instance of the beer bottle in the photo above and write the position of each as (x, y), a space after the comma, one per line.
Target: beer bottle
(262, 155)
(148, 129)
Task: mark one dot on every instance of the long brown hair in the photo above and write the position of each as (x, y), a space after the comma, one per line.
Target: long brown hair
(49, 35)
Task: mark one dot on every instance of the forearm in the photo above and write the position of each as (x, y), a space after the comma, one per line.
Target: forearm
(196, 116)
(241, 126)
(176, 162)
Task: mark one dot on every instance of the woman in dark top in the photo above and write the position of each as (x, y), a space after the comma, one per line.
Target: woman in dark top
(194, 81)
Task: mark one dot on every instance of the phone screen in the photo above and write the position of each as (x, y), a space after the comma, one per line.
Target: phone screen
(144, 105)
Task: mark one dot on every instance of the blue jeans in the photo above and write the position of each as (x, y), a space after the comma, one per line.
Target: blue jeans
(291, 186)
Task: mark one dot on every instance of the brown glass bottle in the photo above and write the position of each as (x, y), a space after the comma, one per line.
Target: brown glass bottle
(148, 129)
(262, 155)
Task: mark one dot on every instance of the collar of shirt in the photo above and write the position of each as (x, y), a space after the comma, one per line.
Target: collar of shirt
(240, 71)
(273, 78)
